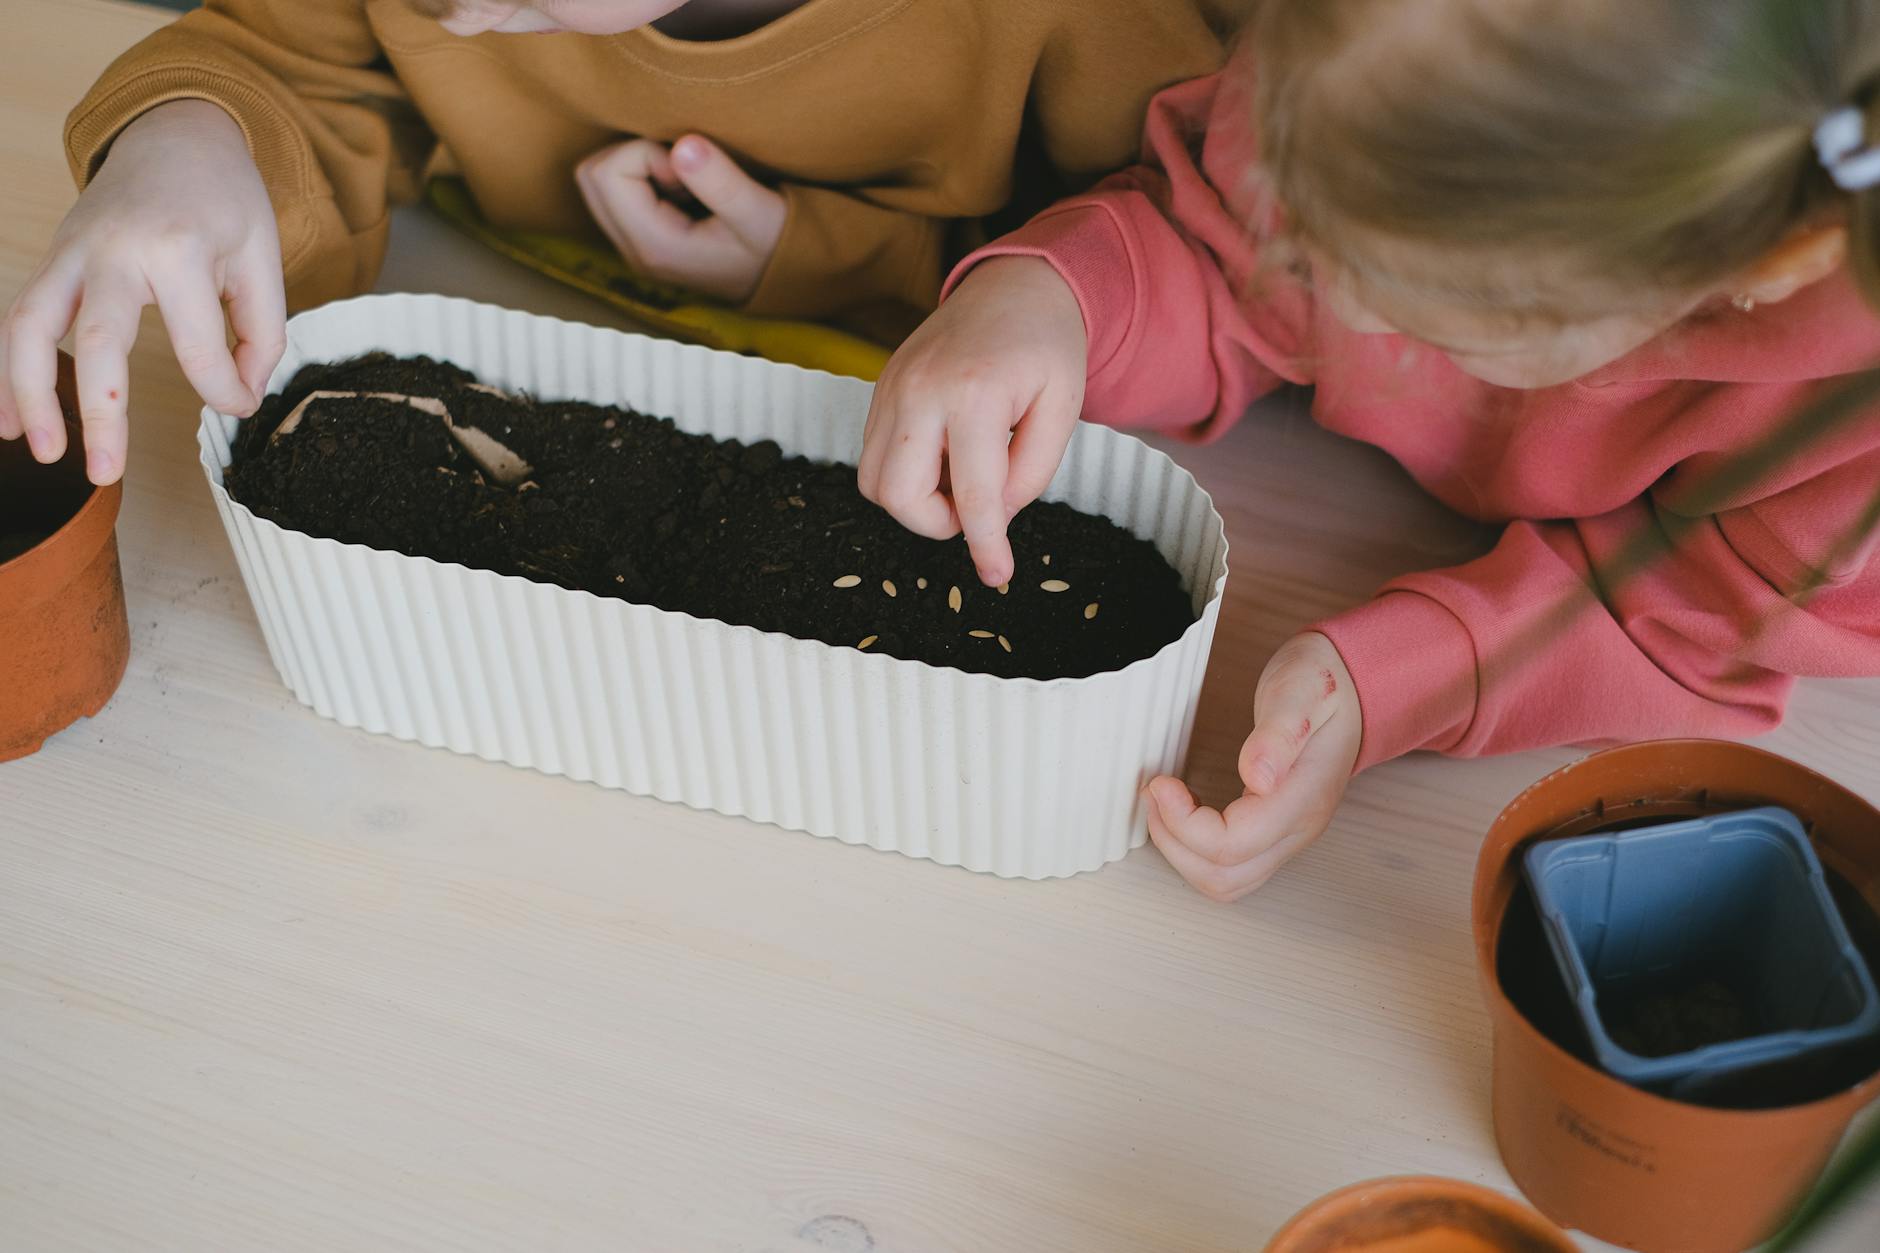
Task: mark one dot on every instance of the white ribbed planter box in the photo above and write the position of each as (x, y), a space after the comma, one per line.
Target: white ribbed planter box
(1013, 776)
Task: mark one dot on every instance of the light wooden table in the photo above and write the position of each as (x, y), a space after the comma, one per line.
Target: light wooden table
(266, 983)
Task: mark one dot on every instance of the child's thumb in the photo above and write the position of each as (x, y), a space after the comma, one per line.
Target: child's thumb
(1292, 704)
(721, 185)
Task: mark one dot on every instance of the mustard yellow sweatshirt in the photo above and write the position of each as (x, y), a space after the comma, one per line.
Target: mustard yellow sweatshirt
(888, 124)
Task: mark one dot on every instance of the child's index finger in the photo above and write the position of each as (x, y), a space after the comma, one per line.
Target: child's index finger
(978, 461)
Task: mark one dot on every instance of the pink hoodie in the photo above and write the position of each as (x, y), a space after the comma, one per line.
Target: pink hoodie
(1547, 640)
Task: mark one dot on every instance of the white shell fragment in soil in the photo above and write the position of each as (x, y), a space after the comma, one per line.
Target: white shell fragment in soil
(492, 456)
(490, 453)
(292, 421)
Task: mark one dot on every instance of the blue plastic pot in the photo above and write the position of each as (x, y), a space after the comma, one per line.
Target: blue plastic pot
(1718, 932)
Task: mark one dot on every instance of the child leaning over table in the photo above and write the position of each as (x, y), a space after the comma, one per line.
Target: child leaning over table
(833, 147)
(1579, 267)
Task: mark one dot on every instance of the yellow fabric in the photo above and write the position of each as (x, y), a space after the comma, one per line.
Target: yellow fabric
(893, 126)
(598, 270)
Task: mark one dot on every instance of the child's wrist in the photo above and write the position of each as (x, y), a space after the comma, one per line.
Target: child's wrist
(190, 118)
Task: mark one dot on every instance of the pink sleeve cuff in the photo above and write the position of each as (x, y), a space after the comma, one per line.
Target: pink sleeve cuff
(1414, 666)
(1085, 244)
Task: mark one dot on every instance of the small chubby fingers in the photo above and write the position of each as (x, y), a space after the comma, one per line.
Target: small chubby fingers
(1221, 884)
(1181, 815)
(192, 310)
(635, 220)
(10, 427)
(1203, 831)
(908, 482)
(101, 344)
(1217, 882)
(1038, 444)
(619, 187)
(876, 432)
(755, 212)
(978, 461)
(632, 159)
(257, 311)
(1224, 856)
(29, 339)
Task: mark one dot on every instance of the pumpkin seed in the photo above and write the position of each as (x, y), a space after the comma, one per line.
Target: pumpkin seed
(867, 642)
(1090, 611)
(953, 599)
(887, 585)
(980, 635)
(849, 580)
(1055, 585)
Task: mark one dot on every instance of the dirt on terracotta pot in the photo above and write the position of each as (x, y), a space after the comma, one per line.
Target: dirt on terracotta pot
(62, 623)
(1414, 1214)
(1623, 1164)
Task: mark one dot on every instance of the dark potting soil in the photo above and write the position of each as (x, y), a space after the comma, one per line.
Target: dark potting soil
(1529, 975)
(15, 543)
(1678, 1015)
(622, 504)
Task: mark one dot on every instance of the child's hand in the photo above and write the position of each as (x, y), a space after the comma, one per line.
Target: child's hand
(177, 217)
(972, 415)
(630, 190)
(1295, 765)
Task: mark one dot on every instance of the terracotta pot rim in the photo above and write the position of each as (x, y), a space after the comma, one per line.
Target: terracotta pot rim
(1508, 1206)
(92, 520)
(1488, 938)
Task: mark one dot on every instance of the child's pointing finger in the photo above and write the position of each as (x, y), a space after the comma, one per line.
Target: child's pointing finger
(977, 463)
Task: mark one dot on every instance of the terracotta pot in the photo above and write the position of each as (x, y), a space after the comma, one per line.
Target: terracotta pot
(1612, 1160)
(64, 639)
(1418, 1215)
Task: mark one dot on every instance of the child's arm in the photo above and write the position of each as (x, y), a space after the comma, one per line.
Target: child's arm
(335, 138)
(1148, 269)
(1663, 617)
(1656, 619)
(838, 253)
